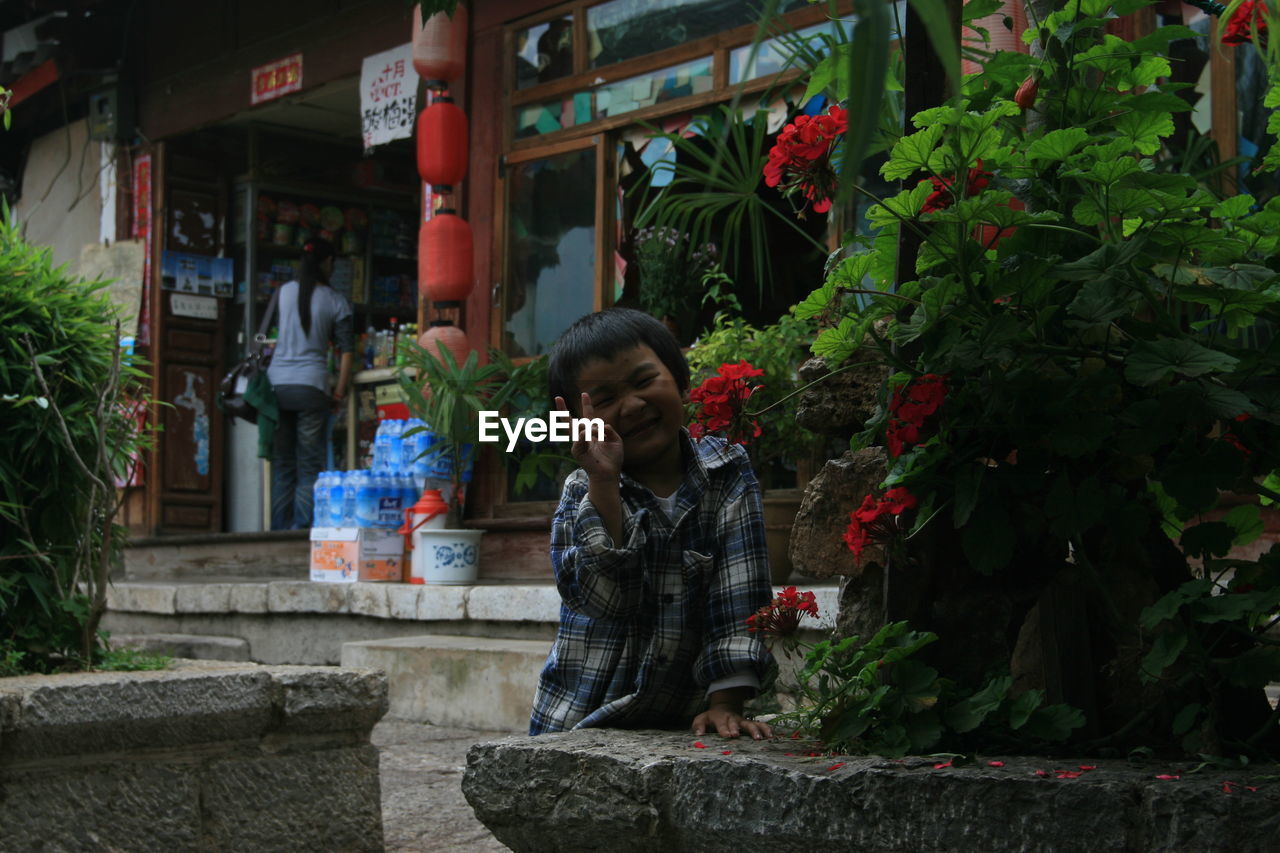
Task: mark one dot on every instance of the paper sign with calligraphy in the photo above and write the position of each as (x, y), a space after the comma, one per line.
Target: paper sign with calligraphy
(275, 79)
(388, 96)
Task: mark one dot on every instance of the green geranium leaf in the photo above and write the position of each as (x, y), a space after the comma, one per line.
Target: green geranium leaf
(911, 153)
(1021, 709)
(1145, 130)
(1171, 602)
(967, 714)
(1245, 522)
(1239, 276)
(1232, 208)
(1057, 145)
(1186, 718)
(1256, 667)
(1054, 722)
(1073, 509)
(1232, 606)
(1150, 362)
(1209, 539)
(1164, 651)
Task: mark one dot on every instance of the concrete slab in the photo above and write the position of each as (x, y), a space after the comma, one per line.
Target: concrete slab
(514, 603)
(195, 646)
(468, 682)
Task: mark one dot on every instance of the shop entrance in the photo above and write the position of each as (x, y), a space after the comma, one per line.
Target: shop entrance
(239, 201)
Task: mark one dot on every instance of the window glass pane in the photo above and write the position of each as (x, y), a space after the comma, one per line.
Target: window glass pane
(691, 78)
(773, 53)
(556, 114)
(544, 52)
(551, 249)
(624, 29)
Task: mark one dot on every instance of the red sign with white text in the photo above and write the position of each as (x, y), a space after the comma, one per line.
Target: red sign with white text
(276, 78)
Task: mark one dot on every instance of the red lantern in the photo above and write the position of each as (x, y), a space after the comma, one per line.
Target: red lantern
(442, 144)
(440, 47)
(445, 258)
(454, 339)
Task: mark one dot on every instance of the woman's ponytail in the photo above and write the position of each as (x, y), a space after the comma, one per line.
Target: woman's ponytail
(316, 251)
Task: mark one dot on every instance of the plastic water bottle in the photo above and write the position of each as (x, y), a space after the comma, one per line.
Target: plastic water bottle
(389, 498)
(336, 483)
(381, 442)
(409, 491)
(349, 498)
(367, 494)
(395, 446)
(320, 500)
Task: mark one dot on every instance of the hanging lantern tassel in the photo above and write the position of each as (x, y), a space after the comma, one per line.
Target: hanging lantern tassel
(453, 338)
(440, 47)
(442, 144)
(445, 258)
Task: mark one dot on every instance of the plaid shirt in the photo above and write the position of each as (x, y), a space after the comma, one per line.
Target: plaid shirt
(645, 627)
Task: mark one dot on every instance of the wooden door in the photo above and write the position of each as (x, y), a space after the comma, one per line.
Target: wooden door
(188, 358)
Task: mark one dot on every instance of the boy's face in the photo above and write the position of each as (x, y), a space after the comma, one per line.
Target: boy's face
(635, 393)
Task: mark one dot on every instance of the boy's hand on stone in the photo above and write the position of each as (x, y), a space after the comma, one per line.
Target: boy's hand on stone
(728, 722)
(600, 459)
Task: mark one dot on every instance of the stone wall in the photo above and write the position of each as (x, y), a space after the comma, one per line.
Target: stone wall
(203, 756)
(647, 790)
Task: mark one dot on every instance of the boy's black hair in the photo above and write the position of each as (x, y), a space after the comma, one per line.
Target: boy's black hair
(603, 335)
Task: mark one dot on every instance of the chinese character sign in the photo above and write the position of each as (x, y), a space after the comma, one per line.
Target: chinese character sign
(388, 96)
(276, 78)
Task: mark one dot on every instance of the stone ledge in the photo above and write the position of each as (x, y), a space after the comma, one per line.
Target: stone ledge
(205, 755)
(649, 790)
(483, 602)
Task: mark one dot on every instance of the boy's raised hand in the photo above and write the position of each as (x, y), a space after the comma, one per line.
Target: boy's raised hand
(600, 459)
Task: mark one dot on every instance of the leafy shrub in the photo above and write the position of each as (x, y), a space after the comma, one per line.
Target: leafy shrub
(64, 400)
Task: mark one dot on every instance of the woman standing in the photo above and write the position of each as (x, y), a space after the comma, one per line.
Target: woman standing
(312, 315)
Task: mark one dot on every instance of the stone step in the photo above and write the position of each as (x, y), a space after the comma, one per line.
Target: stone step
(194, 646)
(267, 555)
(447, 680)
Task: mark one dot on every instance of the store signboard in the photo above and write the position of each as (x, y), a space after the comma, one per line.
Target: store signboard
(200, 307)
(274, 79)
(198, 274)
(388, 96)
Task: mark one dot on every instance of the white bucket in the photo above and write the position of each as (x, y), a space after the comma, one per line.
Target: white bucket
(450, 557)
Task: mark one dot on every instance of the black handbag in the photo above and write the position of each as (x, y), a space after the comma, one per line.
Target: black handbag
(232, 389)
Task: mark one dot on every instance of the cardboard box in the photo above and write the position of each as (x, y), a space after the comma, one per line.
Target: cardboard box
(350, 554)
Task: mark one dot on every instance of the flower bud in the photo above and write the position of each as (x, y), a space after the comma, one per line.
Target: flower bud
(1025, 97)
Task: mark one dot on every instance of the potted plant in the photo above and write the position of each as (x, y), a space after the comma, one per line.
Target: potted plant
(671, 276)
(448, 397)
(764, 404)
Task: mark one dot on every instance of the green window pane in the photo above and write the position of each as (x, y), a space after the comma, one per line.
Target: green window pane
(773, 53)
(690, 78)
(544, 52)
(551, 249)
(625, 29)
(557, 114)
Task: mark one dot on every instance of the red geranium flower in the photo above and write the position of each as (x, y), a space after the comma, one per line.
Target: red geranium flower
(1249, 18)
(722, 401)
(781, 617)
(942, 195)
(801, 161)
(875, 520)
(909, 406)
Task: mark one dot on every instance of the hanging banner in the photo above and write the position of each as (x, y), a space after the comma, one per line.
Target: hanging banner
(270, 81)
(142, 233)
(388, 96)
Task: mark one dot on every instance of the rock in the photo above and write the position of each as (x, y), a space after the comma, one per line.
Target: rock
(649, 790)
(817, 545)
(842, 404)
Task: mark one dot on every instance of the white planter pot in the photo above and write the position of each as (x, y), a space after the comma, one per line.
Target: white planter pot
(450, 557)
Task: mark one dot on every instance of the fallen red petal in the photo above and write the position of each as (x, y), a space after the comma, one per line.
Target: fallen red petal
(1042, 772)
(995, 764)
(726, 752)
(942, 765)
(836, 766)
(1253, 788)
(788, 753)
(697, 744)
(814, 754)
(1165, 777)
(1088, 767)
(1229, 787)
(1069, 774)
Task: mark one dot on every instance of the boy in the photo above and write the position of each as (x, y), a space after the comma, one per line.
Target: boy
(658, 547)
